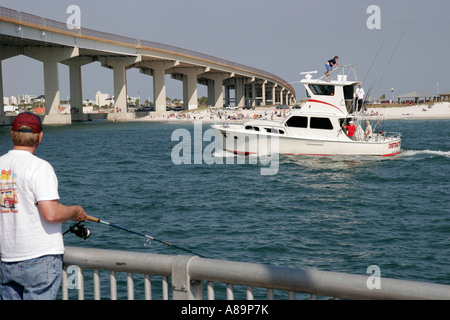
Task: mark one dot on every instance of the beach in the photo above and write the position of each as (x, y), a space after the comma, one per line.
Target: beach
(415, 112)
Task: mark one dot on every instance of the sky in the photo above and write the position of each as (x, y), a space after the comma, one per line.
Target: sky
(404, 45)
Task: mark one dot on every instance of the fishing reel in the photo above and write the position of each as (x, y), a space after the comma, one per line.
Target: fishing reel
(80, 231)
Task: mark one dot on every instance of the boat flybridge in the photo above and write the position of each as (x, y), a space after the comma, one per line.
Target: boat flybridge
(317, 128)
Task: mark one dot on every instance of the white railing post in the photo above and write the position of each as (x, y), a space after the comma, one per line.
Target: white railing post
(96, 285)
(183, 287)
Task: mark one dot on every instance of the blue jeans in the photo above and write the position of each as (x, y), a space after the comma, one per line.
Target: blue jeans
(34, 279)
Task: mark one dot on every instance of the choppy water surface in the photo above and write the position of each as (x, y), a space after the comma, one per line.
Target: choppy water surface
(328, 213)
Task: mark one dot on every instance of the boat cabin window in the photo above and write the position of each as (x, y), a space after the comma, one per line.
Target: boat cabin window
(297, 122)
(322, 89)
(252, 128)
(273, 130)
(321, 123)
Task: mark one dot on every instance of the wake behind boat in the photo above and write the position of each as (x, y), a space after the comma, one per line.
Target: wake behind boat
(318, 128)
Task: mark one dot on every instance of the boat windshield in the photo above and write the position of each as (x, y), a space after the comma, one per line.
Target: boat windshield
(322, 89)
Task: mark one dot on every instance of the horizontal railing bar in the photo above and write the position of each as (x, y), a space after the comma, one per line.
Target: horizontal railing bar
(123, 261)
(325, 283)
(313, 282)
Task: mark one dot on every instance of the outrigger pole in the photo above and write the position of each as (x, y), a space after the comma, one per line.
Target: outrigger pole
(90, 218)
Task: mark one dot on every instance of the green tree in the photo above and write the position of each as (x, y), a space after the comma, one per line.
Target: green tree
(203, 101)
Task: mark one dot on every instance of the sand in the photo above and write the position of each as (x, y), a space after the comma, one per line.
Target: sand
(415, 112)
(422, 111)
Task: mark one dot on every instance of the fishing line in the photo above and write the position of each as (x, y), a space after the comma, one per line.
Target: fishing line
(379, 49)
(390, 59)
(370, 68)
(90, 218)
(374, 87)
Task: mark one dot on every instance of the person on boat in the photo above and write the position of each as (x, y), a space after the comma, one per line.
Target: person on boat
(330, 65)
(359, 98)
(351, 129)
(368, 131)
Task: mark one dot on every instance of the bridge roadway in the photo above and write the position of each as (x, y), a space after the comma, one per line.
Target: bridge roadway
(52, 42)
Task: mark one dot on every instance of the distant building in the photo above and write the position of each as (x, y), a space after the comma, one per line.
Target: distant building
(10, 100)
(10, 108)
(40, 98)
(444, 96)
(102, 99)
(416, 97)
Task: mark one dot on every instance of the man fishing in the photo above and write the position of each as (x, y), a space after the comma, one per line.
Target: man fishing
(31, 242)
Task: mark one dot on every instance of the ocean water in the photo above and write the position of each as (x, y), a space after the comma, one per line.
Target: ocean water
(338, 214)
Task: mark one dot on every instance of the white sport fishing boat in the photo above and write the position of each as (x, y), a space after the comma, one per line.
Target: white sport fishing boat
(317, 128)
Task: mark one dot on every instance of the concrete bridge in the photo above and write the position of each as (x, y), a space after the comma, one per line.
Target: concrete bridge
(52, 42)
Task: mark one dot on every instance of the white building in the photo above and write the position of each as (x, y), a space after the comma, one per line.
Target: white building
(102, 99)
(10, 100)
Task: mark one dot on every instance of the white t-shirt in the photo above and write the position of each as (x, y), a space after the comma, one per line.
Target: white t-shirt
(24, 234)
(360, 93)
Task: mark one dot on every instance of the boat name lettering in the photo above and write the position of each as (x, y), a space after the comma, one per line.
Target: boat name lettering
(394, 145)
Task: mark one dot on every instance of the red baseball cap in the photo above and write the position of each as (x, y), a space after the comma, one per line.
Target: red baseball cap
(32, 121)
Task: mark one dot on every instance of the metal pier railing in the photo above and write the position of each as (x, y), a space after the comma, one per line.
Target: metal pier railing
(184, 278)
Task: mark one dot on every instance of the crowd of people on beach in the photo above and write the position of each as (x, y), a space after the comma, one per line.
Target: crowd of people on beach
(267, 113)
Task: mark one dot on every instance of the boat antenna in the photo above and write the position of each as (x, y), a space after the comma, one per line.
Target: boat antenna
(308, 72)
(94, 219)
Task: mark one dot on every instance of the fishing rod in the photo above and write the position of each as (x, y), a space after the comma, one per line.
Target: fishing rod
(84, 233)
(94, 219)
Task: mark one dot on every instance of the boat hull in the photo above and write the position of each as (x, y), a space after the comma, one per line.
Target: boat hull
(233, 139)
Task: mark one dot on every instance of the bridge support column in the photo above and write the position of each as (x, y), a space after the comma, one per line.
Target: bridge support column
(5, 53)
(253, 94)
(159, 87)
(227, 95)
(158, 71)
(190, 97)
(274, 100)
(239, 92)
(76, 91)
(120, 66)
(51, 57)
(263, 93)
(210, 92)
(216, 90)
